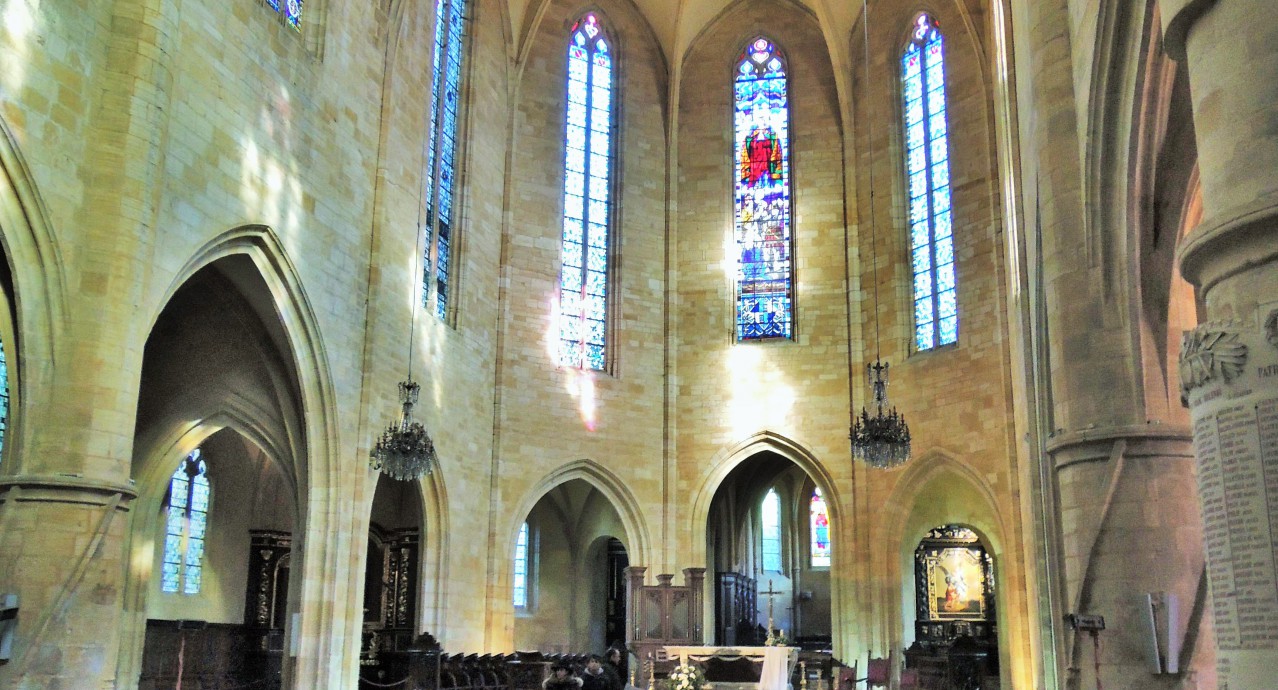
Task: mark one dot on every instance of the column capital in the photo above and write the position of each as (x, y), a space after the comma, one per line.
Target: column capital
(1178, 17)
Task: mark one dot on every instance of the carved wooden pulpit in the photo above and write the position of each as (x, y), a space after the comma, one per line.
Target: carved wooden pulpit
(663, 614)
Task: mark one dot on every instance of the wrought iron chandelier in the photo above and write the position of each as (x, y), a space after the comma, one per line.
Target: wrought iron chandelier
(882, 440)
(405, 451)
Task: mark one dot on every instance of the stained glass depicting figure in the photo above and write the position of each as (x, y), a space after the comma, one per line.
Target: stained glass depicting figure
(820, 521)
(761, 125)
(520, 593)
(441, 152)
(588, 163)
(771, 520)
(185, 525)
(928, 187)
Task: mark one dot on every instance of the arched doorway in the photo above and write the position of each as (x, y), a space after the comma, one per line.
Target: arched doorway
(569, 560)
(392, 572)
(768, 538)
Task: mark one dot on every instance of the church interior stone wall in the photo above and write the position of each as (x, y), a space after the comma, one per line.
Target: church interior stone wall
(214, 235)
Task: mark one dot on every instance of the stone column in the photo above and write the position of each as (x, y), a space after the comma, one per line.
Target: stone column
(1229, 364)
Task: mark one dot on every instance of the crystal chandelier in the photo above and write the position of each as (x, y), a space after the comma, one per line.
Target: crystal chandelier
(405, 451)
(883, 440)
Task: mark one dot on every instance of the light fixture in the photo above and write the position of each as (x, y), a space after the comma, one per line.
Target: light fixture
(882, 440)
(405, 450)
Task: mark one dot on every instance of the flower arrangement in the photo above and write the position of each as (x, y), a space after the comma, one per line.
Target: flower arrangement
(777, 639)
(687, 677)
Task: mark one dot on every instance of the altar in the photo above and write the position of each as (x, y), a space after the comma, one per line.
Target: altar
(777, 664)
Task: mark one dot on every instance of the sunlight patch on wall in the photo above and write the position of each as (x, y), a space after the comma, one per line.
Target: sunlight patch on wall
(19, 31)
(757, 396)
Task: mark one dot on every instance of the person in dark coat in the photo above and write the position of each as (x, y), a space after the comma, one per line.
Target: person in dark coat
(597, 676)
(615, 659)
(561, 678)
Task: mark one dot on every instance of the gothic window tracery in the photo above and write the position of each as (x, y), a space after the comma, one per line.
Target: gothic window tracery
(771, 519)
(186, 522)
(928, 184)
(588, 185)
(441, 154)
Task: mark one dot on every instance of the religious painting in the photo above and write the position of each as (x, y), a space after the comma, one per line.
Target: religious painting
(954, 576)
(956, 584)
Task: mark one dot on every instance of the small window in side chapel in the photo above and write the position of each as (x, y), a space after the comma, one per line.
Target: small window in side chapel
(185, 524)
(820, 522)
(520, 589)
(772, 531)
(588, 187)
(927, 170)
(761, 163)
(441, 155)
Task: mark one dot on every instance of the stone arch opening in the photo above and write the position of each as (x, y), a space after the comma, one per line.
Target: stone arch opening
(570, 555)
(217, 375)
(762, 548)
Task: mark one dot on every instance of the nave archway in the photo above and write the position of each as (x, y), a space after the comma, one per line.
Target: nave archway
(770, 555)
(217, 378)
(568, 589)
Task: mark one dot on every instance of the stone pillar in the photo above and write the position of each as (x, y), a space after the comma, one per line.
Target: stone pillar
(1124, 493)
(1229, 364)
(1123, 486)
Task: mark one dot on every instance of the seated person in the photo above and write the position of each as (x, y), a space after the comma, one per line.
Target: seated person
(561, 678)
(599, 677)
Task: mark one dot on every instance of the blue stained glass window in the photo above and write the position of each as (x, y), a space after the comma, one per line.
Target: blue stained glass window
(761, 161)
(441, 152)
(4, 396)
(185, 525)
(928, 172)
(583, 280)
(820, 521)
(771, 519)
(520, 589)
(293, 17)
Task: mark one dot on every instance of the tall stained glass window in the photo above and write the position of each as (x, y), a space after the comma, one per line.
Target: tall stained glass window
(441, 152)
(520, 590)
(761, 161)
(927, 168)
(185, 526)
(4, 396)
(583, 279)
(820, 519)
(772, 531)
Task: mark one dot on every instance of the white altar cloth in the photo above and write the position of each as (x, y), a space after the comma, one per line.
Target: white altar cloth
(778, 662)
